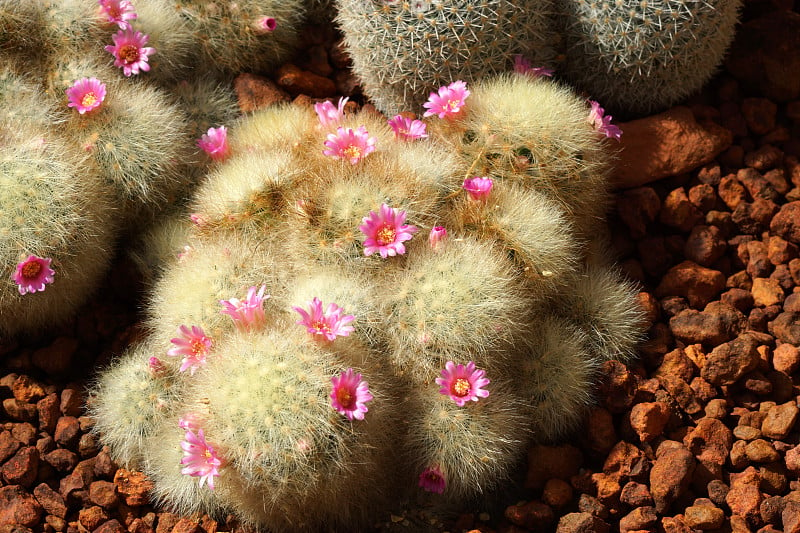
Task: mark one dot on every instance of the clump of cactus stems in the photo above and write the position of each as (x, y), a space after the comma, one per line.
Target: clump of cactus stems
(638, 57)
(357, 308)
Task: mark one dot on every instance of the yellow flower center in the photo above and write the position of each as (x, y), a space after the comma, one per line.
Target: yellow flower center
(344, 398)
(198, 347)
(31, 269)
(88, 99)
(129, 53)
(452, 105)
(352, 152)
(386, 235)
(460, 387)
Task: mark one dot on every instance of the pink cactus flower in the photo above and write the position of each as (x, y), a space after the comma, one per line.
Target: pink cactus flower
(266, 24)
(432, 480)
(350, 394)
(437, 235)
(350, 144)
(248, 313)
(463, 383)
(330, 115)
(86, 94)
(478, 187)
(602, 123)
(156, 366)
(193, 345)
(407, 129)
(118, 12)
(448, 102)
(130, 52)
(200, 458)
(32, 274)
(386, 232)
(329, 324)
(215, 143)
(523, 66)
(189, 422)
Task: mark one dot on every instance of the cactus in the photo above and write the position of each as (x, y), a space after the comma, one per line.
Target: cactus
(403, 50)
(319, 350)
(638, 57)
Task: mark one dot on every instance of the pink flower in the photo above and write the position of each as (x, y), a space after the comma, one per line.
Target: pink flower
(603, 123)
(463, 383)
(193, 345)
(215, 143)
(329, 324)
(328, 114)
(478, 187)
(437, 235)
(407, 129)
(247, 313)
(130, 52)
(386, 232)
(448, 102)
(118, 12)
(189, 422)
(523, 66)
(350, 144)
(86, 94)
(350, 394)
(33, 274)
(200, 458)
(198, 219)
(432, 480)
(156, 366)
(266, 24)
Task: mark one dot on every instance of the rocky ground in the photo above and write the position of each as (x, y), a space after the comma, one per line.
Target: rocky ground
(699, 434)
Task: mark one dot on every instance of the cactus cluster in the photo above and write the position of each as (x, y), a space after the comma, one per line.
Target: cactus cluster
(102, 103)
(634, 56)
(356, 309)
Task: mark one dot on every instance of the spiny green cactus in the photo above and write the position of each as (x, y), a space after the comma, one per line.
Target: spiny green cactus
(637, 57)
(326, 344)
(403, 50)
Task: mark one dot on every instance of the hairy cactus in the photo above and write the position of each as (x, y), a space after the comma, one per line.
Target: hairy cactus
(403, 50)
(637, 57)
(320, 342)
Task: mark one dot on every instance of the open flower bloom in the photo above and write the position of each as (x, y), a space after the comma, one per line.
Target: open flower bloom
(266, 24)
(118, 12)
(247, 313)
(407, 129)
(523, 66)
(478, 187)
(350, 144)
(329, 324)
(432, 480)
(32, 274)
(602, 123)
(386, 232)
(437, 235)
(448, 101)
(463, 383)
(130, 52)
(193, 345)
(200, 458)
(350, 394)
(86, 94)
(215, 143)
(328, 114)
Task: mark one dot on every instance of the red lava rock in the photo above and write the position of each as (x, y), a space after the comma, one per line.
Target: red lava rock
(67, 431)
(50, 500)
(608, 489)
(754, 218)
(166, 522)
(103, 493)
(648, 419)
(61, 459)
(635, 495)
(71, 402)
(786, 328)
(710, 442)
(557, 493)
(132, 486)
(786, 224)
(790, 516)
(637, 208)
(581, 523)
(49, 412)
(765, 158)
(18, 507)
(110, 526)
(26, 390)
(670, 474)
(731, 191)
(692, 281)
(678, 212)
(767, 292)
(104, 467)
(591, 505)
(640, 519)
(676, 363)
(682, 393)
(780, 250)
(705, 245)
(20, 411)
(57, 358)
(719, 322)
(730, 361)
(532, 515)
(8, 445)
(786, 358)
(704, 517)
(760, 114)
(744, 498)
(295, 81)
(625, 461)
(600, 433)
(257, 92)
(760, 451)
(186, 525)
(22, 468)
(78, 480)
(666, 144)
(92, 517)
(780, 421)
(703, 197)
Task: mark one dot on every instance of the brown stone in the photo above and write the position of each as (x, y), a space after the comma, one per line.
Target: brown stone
(786, 358)
(61, 459)
(731, 191)
(581, 523)
(765, 158)
(719, 322)
(635, 494)
(27, 390)
(786, 224)
(58, 357)
(92, 517)
(132, 486)
(780, 250)
(760, 451)
(8, 445)
(703, 517)
(696, 283)
(767, 291)
(637, 208)
(786, 328)
(678, 212)
(681, 392)
(710, 442)
(640, 519)
(295, 81)
(780, 421)
(110, 526)
(49, 412)
(790, 516)
(257, 92)
(531, 515)
(705, 245)
(557, 493)
(20, 411)
(50, 500)
(67, 431)
(666, 144)
(753, 218)
(759, 113)
(18, 507)
(729, 361)
(670, 476)
(625, 461)
(71, 402)
(744, 498)
(103, 493)
(675, 524)
(22, 468)
(648, 419)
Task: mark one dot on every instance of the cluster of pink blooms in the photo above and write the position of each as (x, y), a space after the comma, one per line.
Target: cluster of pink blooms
(448, 101)
(602, 123)
(350, 394)
(330, 115)
(118, 12)
(463, 383)
(347, 143)
(523, 66)
(385, 231)
(478, 187)
(33, 274)
(407, 129)
(215, 143)
(129, 50)
(193, 345)
(86, 94)
(328, 324)
(432, 480)
(200, 459)
(247, 314)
